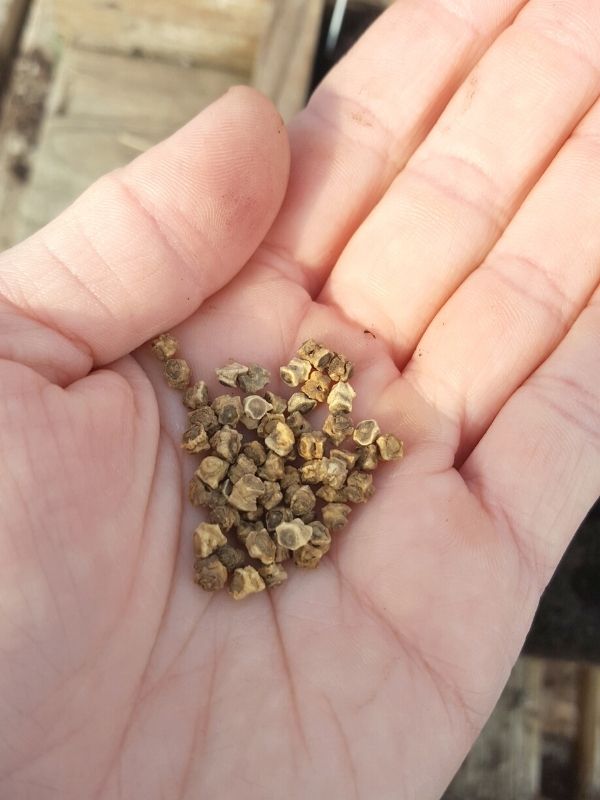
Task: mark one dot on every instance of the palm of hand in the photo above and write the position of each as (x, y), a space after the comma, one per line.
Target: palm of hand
(371, 676)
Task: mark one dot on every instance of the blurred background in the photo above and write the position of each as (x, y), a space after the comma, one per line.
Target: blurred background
(86, 85)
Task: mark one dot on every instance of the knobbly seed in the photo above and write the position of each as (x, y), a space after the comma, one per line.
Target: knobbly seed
(300, 402)
(295, 372)
(282, 554)
(281, 439)
(267, 423)
(290, 477)
(314, 471)
(196, 396)
(367, 456)
(249, 423)
(177, 372)
(311, 445)
(207, 538)
(359, 487)
(228, 409)
(195, 440)
(331, 495)
(254, 380)
(273, 468)
(212, 470)
(256, 406)
(302, 501)
(210, 573)
(227, 443)
(229, 374)
(337, 471)
(315, 353)
(278, 403)
(347, 457)
(242, 466)
(260, 546)
(272, 496)
(321, 537)
(273, 575)
(339, 399)
(255, 451)
(216, 499)
(294, 534)
(292, 456)
(225, 517)
(335, 515)
(245, 581)
(275, 516)
(243, 531)
(317, 386)
(198, 494)
(308, 518)
(339, 369)
(206, 417)
(231, 557)
(164, 347)
(390, 447)
(298, 423)
(246, 492)
(254, 516)
(338, 427)
(307, 557)
(366, 432)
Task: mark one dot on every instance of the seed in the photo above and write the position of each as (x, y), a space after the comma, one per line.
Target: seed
(254, 516)
(308, 518)
(231, 557)
(273, 468)
(337, 472)
(300, 402)
(311, 445)
(216, 498)
(164, 347)
(242, 466)
(318, 355)
(308, 557)
(256, 406)
(302, 500)
(275, 516)
(228, 409)
(367, 456)
(339, 369)
(196, 396)
(294, 534)
(198, 494)
(317, 386)
(282, 554)
(207, 537)
(210, 573)
(331, 495)
(340, 398)
(227, 443)
(246, 492)
(249, 423)
(281, 439)
(366, 432)
(212, 470)
(225, 517)
(278, 403)
(195, 440)
(267, 423)
(321, 538)
(177, 373)
(272, 496)
(346, 456)
(335, 515)
(390, 447)
(359, 487)
(273, 575)
(244, 530)
(254, 380)
(206, 417)
(229, 374)
(256, 451)
(290, 477)
(338, 427)
(298, 423)
(295, 372)
(314, 471)
(245, 581)
(260, 546)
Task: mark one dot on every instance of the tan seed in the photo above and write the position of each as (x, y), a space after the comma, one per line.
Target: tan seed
(227, 443)
(212, 470)
(315, 353)
(273, 575)
(198, 494)
(229, 374)
(177, 373)
(335, 515)
(308, 557)
(272, 496)
(346, 456)
(290, 477)
(314, 471)
(339, 399)
(242, 466)
(367, 456)
(164, 347)
(256, 406)
(338, 427)
(210, 573)
(281, 439)
(366, 432)
(302, 501)
(228, 409)
(390, 447)
(267, 423)
(254, 380)
(206, 417)
(260, 546)
(246, 492)
(207, 538)
(273, 468)
(311, 445)
(317, 386)
(245, 581)
(278, 403)
(295, 372)
(339, 369)
(195, 440)
(294, 534)
(225, 517)
(336, 473)
(256, 451)
(298, 423)
(300, 402)
(196, 396)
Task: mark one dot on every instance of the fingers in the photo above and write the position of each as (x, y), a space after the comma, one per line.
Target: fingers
(142, 248)
(367, 117)
(536, 468)
(513, 311)
(448, 206)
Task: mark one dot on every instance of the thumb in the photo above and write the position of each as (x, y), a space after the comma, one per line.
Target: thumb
(144, 246)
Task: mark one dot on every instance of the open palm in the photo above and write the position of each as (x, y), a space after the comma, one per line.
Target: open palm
(451, 249)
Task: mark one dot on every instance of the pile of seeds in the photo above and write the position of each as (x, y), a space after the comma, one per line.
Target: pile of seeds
(266, 476)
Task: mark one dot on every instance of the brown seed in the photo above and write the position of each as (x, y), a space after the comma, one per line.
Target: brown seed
(281, 439)
(278, 403)
(254, 380)
(210, 573)
(308, 557)
(225, 517)
(195, 440)
(164, 347)
(390, 447)
(212, 470)
(254, 516)
(198, 494)
(275, 516)
(315, 353)
(339, 369)
(227, 443)
(246, 492)
(366, 432)
(273, 575)
(256, 451)
(242, 466)
(267, 423)
(337, 472)
(216, 498)
(339, 399)
(290, 477)
(231, 557)
(228, 409)
(273, 468)
(255, 406)
(243, 531)
(196, 396)
(294, 534)
(359, 487)
(206, 417)
(249, 423)
(331, 495)
(321, 537)
(177, 373)
(300, 402)
(282, 554)
(314, 471)
(367, 456)
(272, 496)
(302, 500)
(308, 518)
(229, 374)
(298, 423)
(260, 546)
(311, 445)
(346, 456)
(295, 372)
(292, 456)
(338, 427)
(317, 386)
(245, 581)
(335, 515)
(207, 538)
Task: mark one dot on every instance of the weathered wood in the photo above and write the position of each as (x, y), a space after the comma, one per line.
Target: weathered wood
(284, 62)
(213, 32)
(588, 740)
(12, 13)
(505, 763)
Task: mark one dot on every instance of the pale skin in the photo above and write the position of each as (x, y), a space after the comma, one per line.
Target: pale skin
(441, 228)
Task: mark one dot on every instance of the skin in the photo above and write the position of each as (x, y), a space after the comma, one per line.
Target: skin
(440, 228)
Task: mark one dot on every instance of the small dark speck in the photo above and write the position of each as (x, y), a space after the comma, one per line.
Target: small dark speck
(369, 333)
(419, 354)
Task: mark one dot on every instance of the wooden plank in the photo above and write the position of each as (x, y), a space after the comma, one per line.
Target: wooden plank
(214, 32)
(285, 57)
(505, 763)
(588, 739)
(12, 14)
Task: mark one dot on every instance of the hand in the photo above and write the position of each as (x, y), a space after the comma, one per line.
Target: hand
(451, 248)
